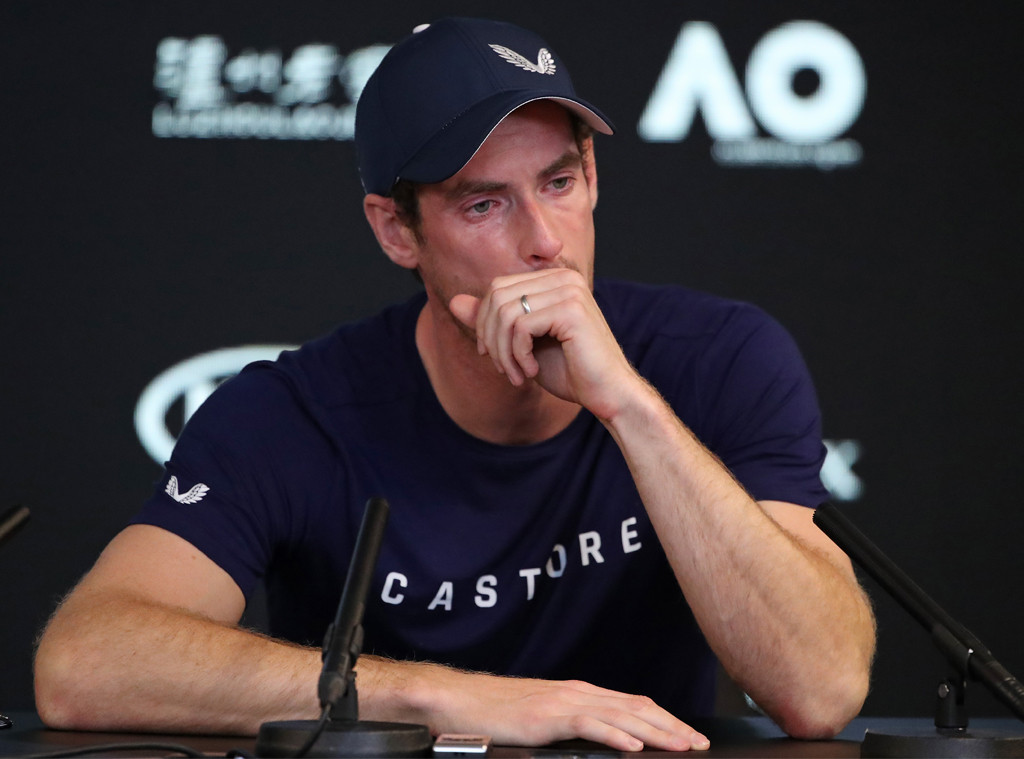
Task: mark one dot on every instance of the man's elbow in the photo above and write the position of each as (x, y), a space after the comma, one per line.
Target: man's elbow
(64, 673)
(823, 712)
(54, 673)
(832, 694)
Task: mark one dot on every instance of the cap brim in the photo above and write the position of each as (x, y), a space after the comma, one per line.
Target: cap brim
(455, 145)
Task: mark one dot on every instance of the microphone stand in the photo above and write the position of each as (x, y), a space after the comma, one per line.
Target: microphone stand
(339, 732)
(968, 657)
(10, 523)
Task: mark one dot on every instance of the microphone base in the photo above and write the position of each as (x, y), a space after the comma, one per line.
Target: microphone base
(344, 738)
(940, 744)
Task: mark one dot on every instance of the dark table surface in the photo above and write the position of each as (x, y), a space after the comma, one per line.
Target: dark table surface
(730, 737)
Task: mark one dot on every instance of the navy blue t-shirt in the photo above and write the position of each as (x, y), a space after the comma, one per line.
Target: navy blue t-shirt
(534, 560)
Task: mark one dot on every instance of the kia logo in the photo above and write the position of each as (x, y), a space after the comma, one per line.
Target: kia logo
(191, 381)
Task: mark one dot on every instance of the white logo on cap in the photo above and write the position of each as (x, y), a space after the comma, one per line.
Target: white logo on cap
(545, 61)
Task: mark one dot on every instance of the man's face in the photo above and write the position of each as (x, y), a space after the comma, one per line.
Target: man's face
(524, 202)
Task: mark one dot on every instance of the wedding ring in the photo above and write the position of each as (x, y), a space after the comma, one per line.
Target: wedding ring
(525, 305)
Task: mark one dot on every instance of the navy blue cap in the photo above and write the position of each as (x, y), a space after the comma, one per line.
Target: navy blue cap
(438, 94)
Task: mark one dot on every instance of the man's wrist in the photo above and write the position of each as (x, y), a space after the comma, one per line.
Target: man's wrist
(639, 406)
(401, 691)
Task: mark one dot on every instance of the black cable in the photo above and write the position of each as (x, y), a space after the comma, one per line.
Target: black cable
(304, 749)
(107, 748)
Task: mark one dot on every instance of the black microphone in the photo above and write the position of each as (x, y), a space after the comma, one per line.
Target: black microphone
(339, 732)
(12, 520)
(964, 651)
(344, 639)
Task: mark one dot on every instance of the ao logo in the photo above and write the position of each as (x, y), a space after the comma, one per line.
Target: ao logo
(699, 75)
(190, 381)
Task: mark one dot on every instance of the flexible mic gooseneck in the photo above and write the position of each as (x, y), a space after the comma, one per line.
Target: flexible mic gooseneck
(967, 655)
(339, 732)
(344, 639)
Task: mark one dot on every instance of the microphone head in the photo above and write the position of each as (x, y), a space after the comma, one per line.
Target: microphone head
(12, 520)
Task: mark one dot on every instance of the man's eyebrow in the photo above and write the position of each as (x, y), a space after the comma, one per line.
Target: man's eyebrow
(465, 188)
(472, 187)
(567, 159)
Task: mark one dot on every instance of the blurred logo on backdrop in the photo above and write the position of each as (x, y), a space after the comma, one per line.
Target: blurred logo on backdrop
(168, 401)
(208, 92)
(803, 87)
(172, 397)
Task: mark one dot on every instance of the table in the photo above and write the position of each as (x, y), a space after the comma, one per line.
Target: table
(753, 737)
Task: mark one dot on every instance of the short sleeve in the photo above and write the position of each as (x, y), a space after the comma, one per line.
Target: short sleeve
(761, 412)
(235, 479)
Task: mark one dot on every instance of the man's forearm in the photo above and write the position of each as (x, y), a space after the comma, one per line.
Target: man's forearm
(121, 664)
(111, 662)
(789, 624)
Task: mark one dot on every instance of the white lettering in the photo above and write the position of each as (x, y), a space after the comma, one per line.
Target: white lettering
(697, 75)
(189, 75)
(486, 587)
(256, 120)
(563, 560)
(590, 547)
(308, 73)
(628, 536)
(835, 104)
(443, 597)
(388, 595)
(486, 595)
(770, 152)
(529, 574)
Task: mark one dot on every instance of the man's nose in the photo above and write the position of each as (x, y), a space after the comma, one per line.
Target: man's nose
(539, 239)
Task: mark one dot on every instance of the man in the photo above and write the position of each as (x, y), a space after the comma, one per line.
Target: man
(553, 517)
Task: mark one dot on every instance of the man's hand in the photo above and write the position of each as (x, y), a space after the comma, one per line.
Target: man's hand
(563, 342)
(519, 711)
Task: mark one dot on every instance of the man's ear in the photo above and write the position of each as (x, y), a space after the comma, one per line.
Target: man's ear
(590, 170)
(394, 237)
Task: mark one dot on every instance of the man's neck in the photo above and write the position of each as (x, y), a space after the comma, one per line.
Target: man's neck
(476, 396)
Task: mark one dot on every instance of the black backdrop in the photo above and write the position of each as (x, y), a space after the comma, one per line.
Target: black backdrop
(130, 244)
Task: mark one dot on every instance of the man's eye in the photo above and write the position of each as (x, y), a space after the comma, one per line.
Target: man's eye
(561, 183)
(482, 207)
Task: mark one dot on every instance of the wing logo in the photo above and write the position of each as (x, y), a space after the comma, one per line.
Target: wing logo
(193, 495)
(545, 61)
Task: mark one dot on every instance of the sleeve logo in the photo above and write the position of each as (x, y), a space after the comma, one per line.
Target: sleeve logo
(193, 495)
